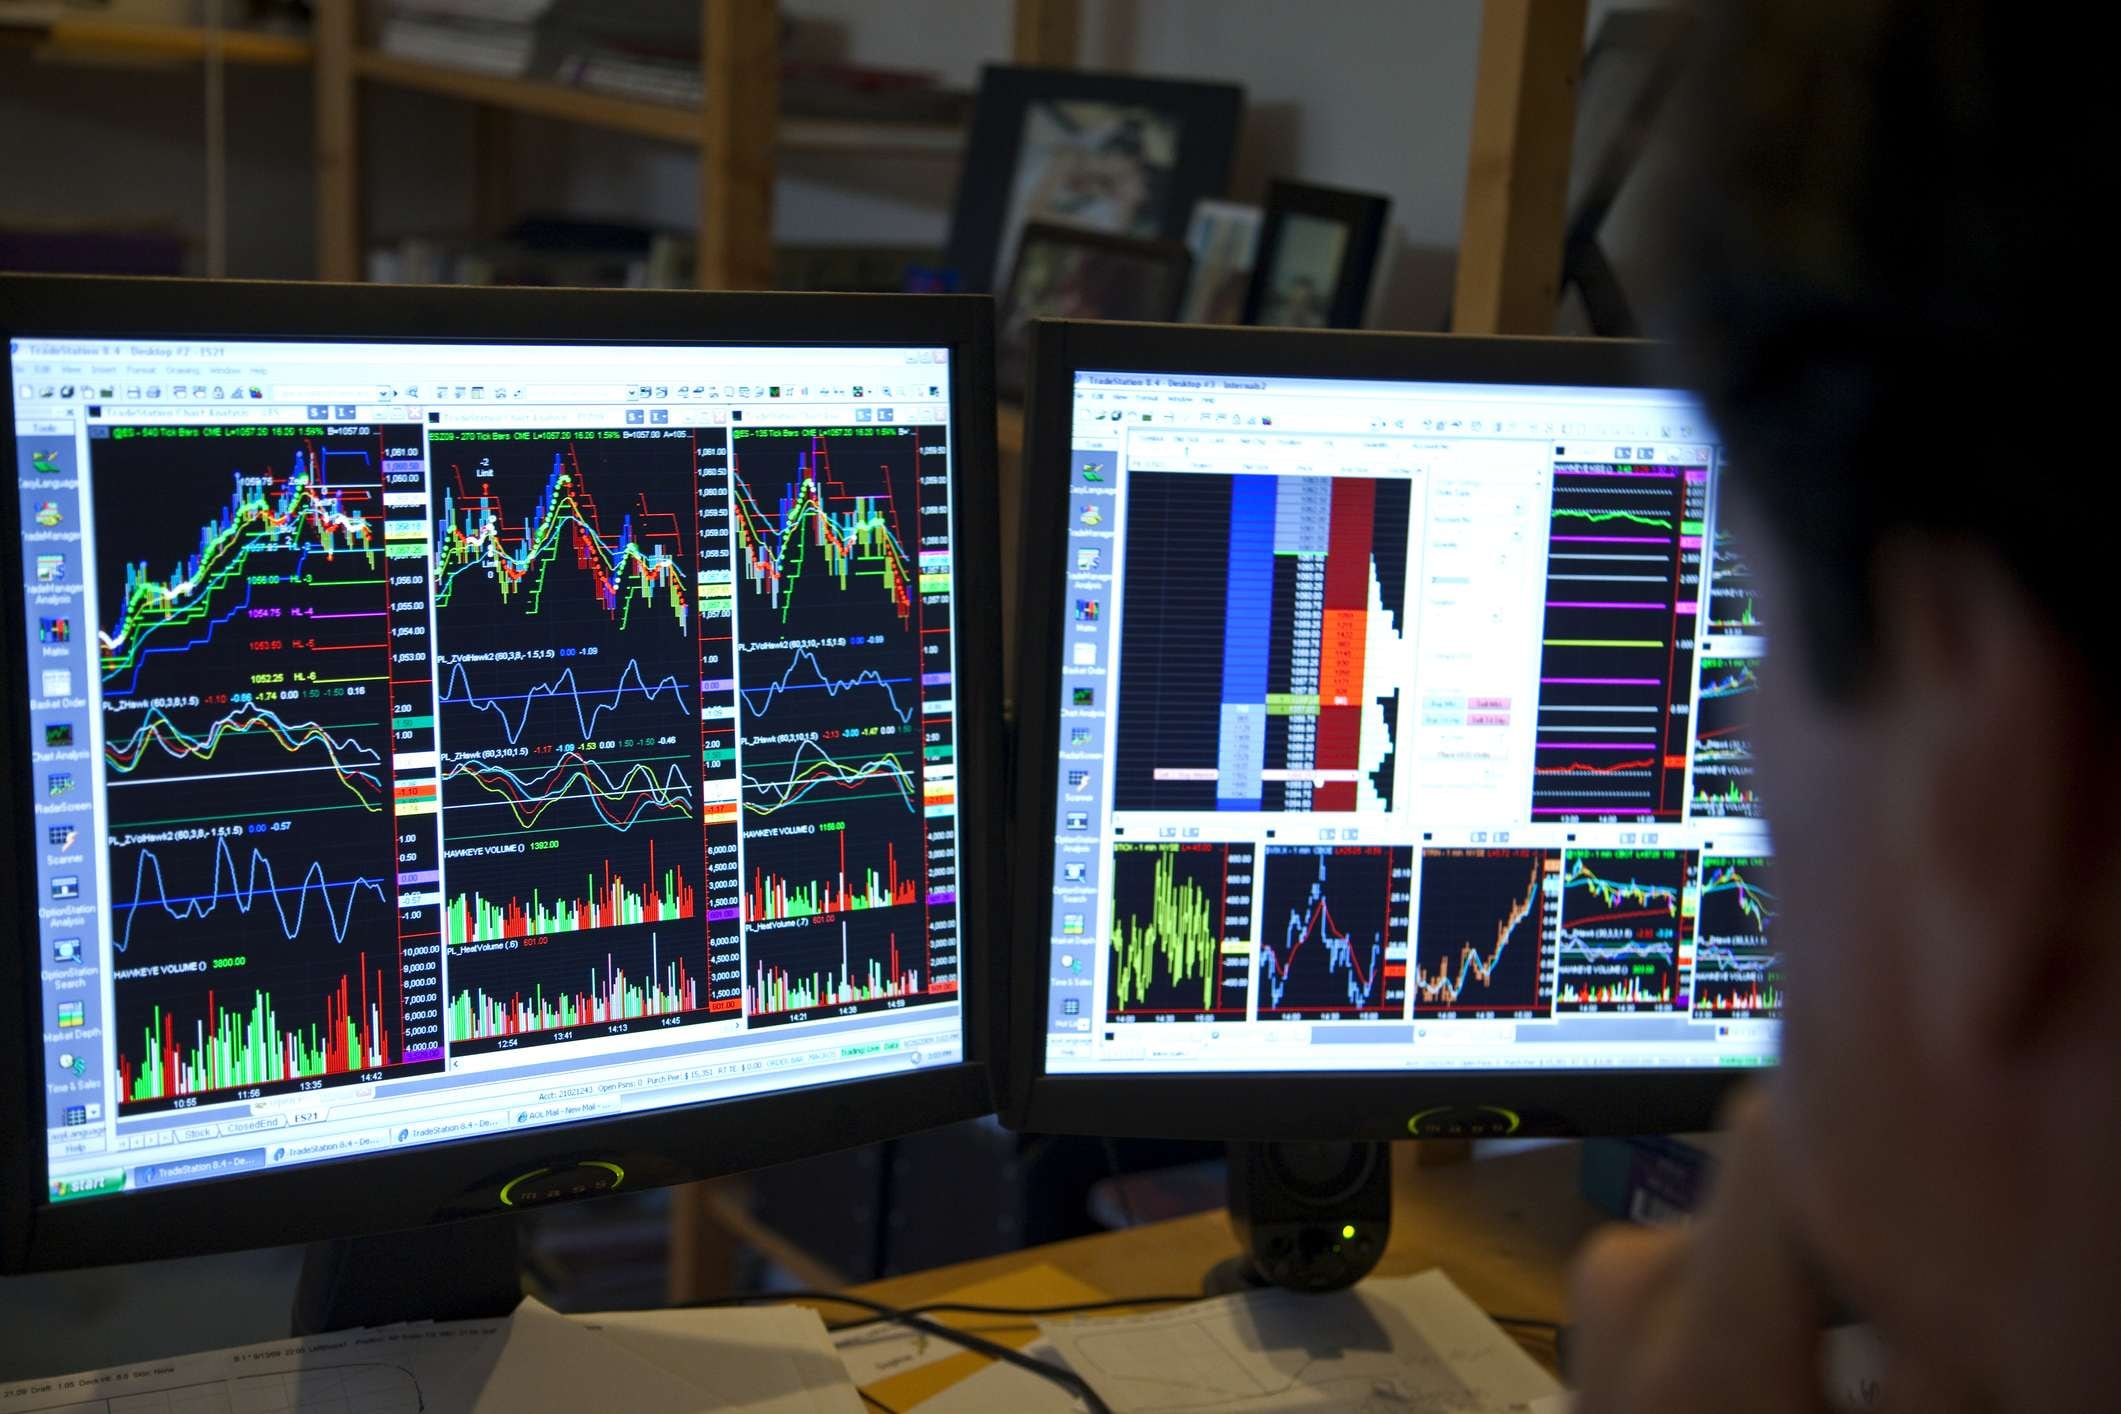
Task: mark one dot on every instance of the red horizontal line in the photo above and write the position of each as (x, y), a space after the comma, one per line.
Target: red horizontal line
(353, 648)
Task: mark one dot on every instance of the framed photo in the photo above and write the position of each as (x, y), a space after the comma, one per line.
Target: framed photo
(1106, 152)
(1063, 272)
(1223, 238)
(1317, 252)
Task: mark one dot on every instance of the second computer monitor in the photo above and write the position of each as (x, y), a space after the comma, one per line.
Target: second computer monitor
(1386, 758)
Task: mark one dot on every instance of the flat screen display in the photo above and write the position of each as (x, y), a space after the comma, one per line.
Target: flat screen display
(431, 740)
(1403, 726)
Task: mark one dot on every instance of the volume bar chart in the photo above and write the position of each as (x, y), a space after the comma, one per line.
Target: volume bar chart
(1616, 659)
(606, 994)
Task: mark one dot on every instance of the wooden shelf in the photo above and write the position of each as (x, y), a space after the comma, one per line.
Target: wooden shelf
(118, 39)
(664, 121)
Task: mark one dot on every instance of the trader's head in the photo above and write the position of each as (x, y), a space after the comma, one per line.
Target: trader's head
(1884, 228)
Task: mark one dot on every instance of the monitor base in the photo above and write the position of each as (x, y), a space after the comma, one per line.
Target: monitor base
(1311, 1216)
(465, 1270)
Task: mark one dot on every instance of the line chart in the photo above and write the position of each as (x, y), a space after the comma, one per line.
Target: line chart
(1333, 942)
(1483, 945)
(1737, 966)
(814, 771)
(355, 763)
(242, 889)
(803, 662)
(1626, 930)
(1181, 926)
(617, 800)
(856, 537)
(513, 709)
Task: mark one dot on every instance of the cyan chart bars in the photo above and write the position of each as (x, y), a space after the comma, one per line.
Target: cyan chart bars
(1179, 946)
(1737, 967)
(1485, 938)
(1269, 685)
(844, 692)
(264, 933)
(1333, 932)
(1627, 930)
(574, 600)
(1623, 592)
(1724, 780)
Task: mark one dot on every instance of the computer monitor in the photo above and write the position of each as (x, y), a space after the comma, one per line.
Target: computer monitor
(472, 747)
(1384, 758)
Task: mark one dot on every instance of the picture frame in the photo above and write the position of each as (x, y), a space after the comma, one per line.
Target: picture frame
(1317, 254)
(1113, 153)
(1065, 272)
(1223, 237)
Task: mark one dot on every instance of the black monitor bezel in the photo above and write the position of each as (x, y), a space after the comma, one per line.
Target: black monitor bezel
(463, 1178)
(1323, 1105)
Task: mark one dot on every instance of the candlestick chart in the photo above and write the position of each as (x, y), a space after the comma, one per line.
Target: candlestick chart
(1333, 932)
(1737, 968)
(843, 680)
(1484, 942)
(1180, 940)
(1627, 930)
(245, 664)
(566, 574)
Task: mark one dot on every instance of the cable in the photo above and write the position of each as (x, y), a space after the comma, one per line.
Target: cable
(994, 1350)
(962, 1308)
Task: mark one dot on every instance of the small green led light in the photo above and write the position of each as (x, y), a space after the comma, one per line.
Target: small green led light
(1348, 1231)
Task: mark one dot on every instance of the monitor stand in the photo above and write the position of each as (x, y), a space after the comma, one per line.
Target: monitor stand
(464, 1270)
(1310, 1216)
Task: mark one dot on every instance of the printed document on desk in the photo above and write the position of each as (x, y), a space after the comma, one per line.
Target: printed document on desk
(1409, 1345)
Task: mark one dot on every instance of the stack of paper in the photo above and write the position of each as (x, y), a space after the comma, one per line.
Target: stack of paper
(774, 1360)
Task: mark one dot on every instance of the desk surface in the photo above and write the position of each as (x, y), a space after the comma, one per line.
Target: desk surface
(1502, 1228)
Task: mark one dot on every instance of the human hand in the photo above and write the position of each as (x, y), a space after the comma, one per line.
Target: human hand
(1723, 1316)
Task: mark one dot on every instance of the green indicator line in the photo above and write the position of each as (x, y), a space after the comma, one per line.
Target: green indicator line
(1604, 643)
(409, 722)
(1599, 517)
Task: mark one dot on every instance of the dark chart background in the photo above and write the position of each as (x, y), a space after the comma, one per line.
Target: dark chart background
(1732, 606)
(1484, 942)
(1177, 614)
(1174, 906)
(567, 663)
(1724, 785)
(246, 717)
(1333, 932)
(1626, 930)
(1624, 556)
(844, 689)
(1737, 969)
